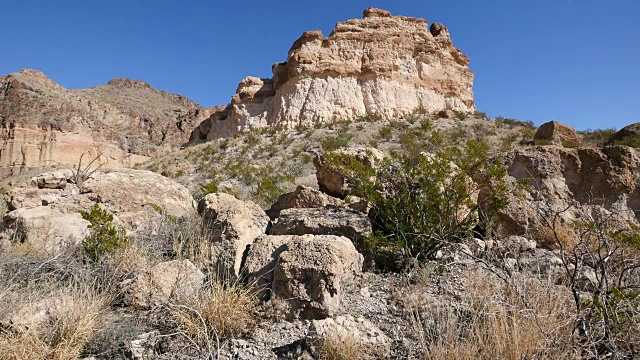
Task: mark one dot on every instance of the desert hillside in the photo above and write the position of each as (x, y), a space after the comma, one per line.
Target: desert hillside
(356, 205)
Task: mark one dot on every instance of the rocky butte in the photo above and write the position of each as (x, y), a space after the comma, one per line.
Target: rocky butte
(380, 65)
(42, 123)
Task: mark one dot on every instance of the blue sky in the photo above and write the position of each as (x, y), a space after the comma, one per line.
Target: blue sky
(574, 61)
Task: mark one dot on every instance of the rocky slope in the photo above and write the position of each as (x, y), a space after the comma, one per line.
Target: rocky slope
(126, 121)
(380, 65)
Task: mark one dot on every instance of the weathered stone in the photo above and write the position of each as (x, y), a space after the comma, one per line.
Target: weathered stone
(171, 280)
(630, 135)
(234, 224)
(369, 339)
(143, 347)
(36, 315)
(335, 184)
(330, 220)
(381, 65)
(570, 183)
(261, 260)
(312, 273)
(302, 197)
(558, 134)
(52, 180)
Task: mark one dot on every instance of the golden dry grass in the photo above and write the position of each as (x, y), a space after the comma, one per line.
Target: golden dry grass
(220, 312)
(342, 346)
(64, 335)
(498, 322)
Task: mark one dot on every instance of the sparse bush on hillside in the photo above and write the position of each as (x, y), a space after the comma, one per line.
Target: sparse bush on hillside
(104, 238)
(332, 143)
(597, 137)
(602, 268)
(423, 202)
(385, 133)
(633, 141)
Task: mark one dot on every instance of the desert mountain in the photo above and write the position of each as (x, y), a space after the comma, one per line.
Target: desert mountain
(125, 120)
(381, 65)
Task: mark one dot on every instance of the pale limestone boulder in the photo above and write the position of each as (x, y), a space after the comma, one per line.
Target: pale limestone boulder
(48, 228)
(38, 314)
(382, 65)
(330, 220)
(370, 340)
(234, 225)
(261, 260)
(171, 280)
(334, 184)
(52, 180)
(312, 274)
(557, 134)
(50, 218)
(302, 197)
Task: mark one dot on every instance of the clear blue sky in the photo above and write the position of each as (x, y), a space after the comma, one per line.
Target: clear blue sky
(575, 61)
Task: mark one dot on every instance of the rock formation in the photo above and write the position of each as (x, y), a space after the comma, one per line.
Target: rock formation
(42, 123)
(557, 134)
(380, 65)
(629, 135)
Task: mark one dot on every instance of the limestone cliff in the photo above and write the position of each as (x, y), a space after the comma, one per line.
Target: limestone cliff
(379, 65)
(42, 123)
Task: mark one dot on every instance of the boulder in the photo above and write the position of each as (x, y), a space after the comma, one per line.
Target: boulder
(600, 183)
(302, 197)
(234, 225)
(358, 332)
(335, 184)
(52, 180)
(382, 65)
(338, 221)
(171, 280)
(557, 134)
(261, 260)
(628, 135)
(38, 314)
(312, 273)
(446, 114)
(50, 217)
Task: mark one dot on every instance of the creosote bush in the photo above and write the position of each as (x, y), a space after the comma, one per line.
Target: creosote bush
(104, 238)
(424, 201)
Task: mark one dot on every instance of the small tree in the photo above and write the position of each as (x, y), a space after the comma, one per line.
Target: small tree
(104, 238)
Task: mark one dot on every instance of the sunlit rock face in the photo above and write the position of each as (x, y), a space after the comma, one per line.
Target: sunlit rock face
(381, 65)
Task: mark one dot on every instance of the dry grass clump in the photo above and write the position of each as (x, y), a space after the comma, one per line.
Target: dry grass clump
(220, 312)
(70, 326)
(523, 320)
(340, 345)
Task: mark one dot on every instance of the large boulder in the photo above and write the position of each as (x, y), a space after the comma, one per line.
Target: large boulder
(309, 272)
(572, 183)
(234, 225)
(37, 314)
(46, 213)
(557, 134)
(330, 220)
(360, 333)
(334, 183)
(312, 274)
(386, 66)
(629, 135)
(302, 197)
(171, 280)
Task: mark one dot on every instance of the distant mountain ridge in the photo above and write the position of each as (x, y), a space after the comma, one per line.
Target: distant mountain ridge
(125, 120)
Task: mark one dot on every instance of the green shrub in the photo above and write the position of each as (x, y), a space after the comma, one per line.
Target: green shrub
(633, 141)
(104, 238)
(332, 143)
(270, 188)
(386, 133)
(597, 137)
(423, 202)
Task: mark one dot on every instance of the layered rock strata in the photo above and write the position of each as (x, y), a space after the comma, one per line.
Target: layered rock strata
(380, 65)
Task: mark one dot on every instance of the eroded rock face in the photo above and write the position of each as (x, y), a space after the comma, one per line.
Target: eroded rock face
(380, 65)
(557, 134)
(313, 272)
(234, 225)
(302, 197)
(46, 213)
(335, 184)
(373, 343)
(574, 182)
(125, 121)
(309, 272)
(171, 280)
(629, 132)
